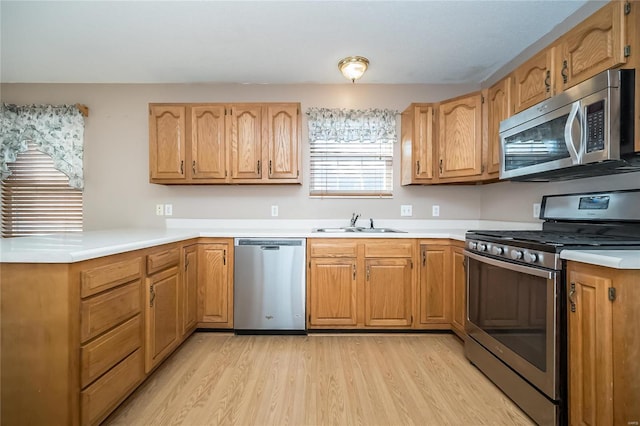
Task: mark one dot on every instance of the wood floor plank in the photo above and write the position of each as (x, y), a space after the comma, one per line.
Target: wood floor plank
(348, 379)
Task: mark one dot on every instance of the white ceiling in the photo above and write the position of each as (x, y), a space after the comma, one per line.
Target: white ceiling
(270, 42)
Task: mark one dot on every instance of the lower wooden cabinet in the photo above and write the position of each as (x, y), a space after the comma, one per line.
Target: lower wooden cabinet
(388, 292)
(162, 322)
(189, 290)
(434, 285)
(604, 345)
(215, 284)
(360, 283)
(333, 292)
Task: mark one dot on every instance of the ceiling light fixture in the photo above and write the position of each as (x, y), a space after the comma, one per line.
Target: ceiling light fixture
(353, 67)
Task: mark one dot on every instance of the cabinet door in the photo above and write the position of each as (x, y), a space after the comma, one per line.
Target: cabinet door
(594, 45)
(499, 100)
(162, 316)
(534, 80)
(332, 292)
(459, 281)
(189, 293)
(215, 306)
(283, 130)
(166, 142)
(460, 140)
(246, 141)
(208, 142)
(435, 288)
(590, 350)
(417, 133)
(388, 292)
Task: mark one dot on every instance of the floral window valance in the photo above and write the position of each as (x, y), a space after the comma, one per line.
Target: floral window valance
(352, 125)
(56, 130)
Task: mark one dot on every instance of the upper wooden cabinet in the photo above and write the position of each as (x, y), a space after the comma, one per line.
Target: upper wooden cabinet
(167, 128)
(534, 81)
(417, 134)
(224, 143)
(499, 107)
(208, 143)
(283, 129)
(595, 45)
(460, 137)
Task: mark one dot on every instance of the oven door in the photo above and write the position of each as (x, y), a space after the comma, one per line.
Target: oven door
(513, 311)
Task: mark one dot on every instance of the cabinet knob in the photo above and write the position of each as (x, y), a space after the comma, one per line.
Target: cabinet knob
(564, 72)
(547, 81)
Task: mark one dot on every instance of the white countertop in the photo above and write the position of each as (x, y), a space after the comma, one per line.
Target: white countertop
(619, 259)
(75, 247)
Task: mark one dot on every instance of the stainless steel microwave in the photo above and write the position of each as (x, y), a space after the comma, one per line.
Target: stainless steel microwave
(587, 130)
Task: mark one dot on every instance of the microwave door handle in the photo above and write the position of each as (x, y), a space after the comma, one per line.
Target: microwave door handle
(573, 133)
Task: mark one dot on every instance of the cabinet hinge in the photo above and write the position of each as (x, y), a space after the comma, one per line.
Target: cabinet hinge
(224, 257)
(627, 51)
(309, 264)
(298, 173)
(627, 7)
(612, 293)
(411, 264)
(481, 99)
(481, 168)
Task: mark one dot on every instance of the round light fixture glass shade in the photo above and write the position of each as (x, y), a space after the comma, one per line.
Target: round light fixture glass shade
(353, 67)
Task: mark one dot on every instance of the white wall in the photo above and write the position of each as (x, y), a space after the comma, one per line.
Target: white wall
(117, 188)
(118, 192)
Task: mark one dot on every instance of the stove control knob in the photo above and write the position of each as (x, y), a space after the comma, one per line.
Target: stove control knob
(530, 257)
(497, 250)
(516, 255)
(473, 245)
(482, 247)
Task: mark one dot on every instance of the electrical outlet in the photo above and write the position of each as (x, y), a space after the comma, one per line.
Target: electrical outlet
(168, 209)
(159, 210)
(274, 211)
(406, 210)
(536, 210)
(435, 210)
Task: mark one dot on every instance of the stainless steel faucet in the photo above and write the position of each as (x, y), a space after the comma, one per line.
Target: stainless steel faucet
(354, 219)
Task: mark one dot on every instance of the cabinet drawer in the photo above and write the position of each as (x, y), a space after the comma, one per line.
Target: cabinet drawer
(106, 351)
(96, 280)
(388, 248)
(334, 248)
(162, 260)
(100, 398)
(102, 312)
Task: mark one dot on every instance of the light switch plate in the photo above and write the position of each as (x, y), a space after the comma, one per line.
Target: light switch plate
(274, 211)
(536, 210)
(159, 209)
(406, 210)
(168, 209)
(435, 210)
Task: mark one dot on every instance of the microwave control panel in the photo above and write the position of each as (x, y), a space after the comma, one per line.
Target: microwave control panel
(595, 126)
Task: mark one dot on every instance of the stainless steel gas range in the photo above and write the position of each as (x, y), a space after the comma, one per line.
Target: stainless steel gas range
(517, 295)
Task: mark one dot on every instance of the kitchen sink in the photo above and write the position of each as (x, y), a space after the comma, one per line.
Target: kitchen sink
(358, 229)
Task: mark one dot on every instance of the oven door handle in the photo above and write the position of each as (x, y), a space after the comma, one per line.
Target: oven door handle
(512, 266)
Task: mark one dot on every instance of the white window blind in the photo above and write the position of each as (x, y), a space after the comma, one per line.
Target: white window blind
(351, 168)
(351, 151)
(37, 198)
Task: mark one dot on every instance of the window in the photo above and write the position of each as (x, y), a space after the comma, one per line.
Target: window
(351, 152)
(37, 198)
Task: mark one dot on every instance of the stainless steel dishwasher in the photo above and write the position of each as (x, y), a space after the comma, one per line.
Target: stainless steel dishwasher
(269, 285)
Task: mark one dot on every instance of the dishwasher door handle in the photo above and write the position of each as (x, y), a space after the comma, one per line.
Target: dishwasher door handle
(269, 247)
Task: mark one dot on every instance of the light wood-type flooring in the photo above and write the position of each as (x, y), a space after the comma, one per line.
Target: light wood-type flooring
(347, 379)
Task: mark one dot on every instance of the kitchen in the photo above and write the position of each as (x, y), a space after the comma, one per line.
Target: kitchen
(118, 194)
